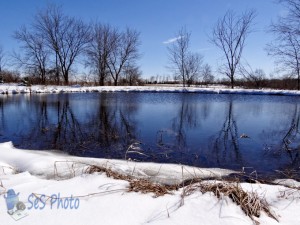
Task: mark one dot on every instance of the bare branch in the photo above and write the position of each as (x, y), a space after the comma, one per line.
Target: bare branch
(65, 36)
(2, 61)
(229, 35)
(286, 45)
(257, 76)
(99, 49)
(124, 50)
(184, 63)
(35, 55)
(207, 76)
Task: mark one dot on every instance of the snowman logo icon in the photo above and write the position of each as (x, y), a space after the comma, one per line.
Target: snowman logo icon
(12, 202)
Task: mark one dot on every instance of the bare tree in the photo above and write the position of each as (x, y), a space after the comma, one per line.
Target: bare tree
(66, 37)
(10, 76)
(132, 75)
(286, 46)
(2, 58)
(193, 67)
(124, 48)
(184, 63)
(1, 63)
(229, 35)
(99, 50)
(36, 56)
(207, 76)
(257, 77)
(293, 16)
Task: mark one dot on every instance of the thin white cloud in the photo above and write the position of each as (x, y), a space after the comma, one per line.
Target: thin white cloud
(171, 40)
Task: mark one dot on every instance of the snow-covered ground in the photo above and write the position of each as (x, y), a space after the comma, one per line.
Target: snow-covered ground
(104, 200)
(15, 89)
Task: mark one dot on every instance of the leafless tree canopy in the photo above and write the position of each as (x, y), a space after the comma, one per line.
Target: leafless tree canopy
(286, 45)
(54, 41)
(293, 7)
(229, 35)
(184, 63)
(257, 77)
(99, 49)
(1, 58)
(65, 36)
(36, 56)
(207, 76)
(111, 51)
(124, 50)
(132, 75)
(9, 76)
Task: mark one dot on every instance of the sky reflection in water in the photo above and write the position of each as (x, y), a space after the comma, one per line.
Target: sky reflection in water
(202, 130)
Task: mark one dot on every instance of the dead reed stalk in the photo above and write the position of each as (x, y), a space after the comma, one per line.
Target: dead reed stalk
(109, 173)
(145, 186)
(2, 188)
(136, 185)
(251, 204)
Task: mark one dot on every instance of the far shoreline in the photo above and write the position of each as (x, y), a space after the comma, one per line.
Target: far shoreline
(7, 89)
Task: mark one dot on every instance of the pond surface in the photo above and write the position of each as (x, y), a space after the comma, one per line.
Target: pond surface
(203, 130)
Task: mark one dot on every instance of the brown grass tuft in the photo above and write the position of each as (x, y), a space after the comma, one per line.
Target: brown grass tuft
(250, 202)
(145, 186)
(2, 188)
(136, 185)
(110, 173)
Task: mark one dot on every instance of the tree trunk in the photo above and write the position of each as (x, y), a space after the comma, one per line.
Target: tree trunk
(101, 81)
(66, 77)
(57, 69)
(298, 77)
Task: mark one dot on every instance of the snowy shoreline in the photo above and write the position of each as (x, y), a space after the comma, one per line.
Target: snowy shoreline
(169, 174)
(36, 89)
(102, 199)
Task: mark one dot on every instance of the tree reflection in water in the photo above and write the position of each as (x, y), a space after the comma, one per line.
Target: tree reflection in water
(113, 127)
(285, 142)
(2, 118)
(226, 145)
(186, 119)
(56, 122)
(199, 130)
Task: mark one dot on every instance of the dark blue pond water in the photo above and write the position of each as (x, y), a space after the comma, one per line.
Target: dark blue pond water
(195, 129)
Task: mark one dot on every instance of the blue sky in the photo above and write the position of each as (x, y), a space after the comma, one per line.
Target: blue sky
(157, 21)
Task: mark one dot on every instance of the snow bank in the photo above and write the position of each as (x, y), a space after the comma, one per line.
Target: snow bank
(14, 89)
(104, 200)
(57, 165)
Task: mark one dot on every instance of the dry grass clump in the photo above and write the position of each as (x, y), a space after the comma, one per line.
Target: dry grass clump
(136, 185)
(250, 202)
(145, 186)
(289, 174)
(110, 173)
(2, 188)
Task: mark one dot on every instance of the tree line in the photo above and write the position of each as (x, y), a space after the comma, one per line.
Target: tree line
(54, 42)
(229, 35)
